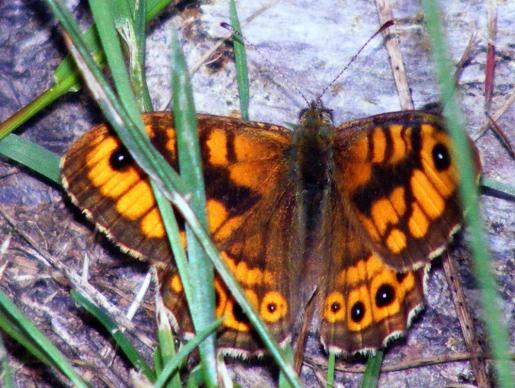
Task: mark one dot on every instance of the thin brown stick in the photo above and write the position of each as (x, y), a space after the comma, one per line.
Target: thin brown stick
(497, 115)
(394, 53)
(321, 362)
(467, 53)
(466, 322)
(490, 53)
(502, 136)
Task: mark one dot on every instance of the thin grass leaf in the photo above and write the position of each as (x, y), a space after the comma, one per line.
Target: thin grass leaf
(498, 336)
(46, 347)
(240, 58)
(66, 76)
(202, 302)
(498, 186)
(125, 346)
(171, 366)
(157, 360)
(136, 48)
(164, 330)
(12, 329)
(40, 103)
(288, 356)
(195, 377)
(372, 371)
(6, 375)
(31, 155)
(331, 366)
(104, 22)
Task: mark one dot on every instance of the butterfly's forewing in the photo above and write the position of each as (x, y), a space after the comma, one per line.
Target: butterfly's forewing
(250, 206)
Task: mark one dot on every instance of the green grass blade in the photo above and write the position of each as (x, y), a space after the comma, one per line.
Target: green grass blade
(32, 332)
(331, 365)
(195, 378)
(31, 155)
(66, 76)
(288, 356)
(41, 102)
(202, 301)
(240, 58)
(104, 22)
(125, 346)
(13, 330)
(6, 375)
(498, 186)
(171, 366)
(166, 341)
(372, 371)
(498, 336)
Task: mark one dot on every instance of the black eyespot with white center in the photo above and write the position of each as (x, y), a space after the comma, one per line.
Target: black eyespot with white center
(385, 295)
(335, 307)
(120, 159)
(357, 312)
(441, 157)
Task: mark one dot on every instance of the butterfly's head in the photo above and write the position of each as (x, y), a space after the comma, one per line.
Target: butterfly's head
(316, 119)
(316, 115)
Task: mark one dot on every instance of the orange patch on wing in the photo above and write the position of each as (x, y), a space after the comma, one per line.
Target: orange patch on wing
(357, 176)
(221, 298)
(418, 223)
(426, 195)
(356, 273)
(170, 142)
(374, 265)
(102, 151)
(396, 241)
(217, 145)
(111, 183)
(152, 225)
(399, 146)
(398, 201)
(379, 145)
(176, 284)
(383, 214)
(228, 227)
(137, 201)
(216, 214)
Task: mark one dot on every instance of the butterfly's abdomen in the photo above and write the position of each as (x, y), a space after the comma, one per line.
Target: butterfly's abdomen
(313, 165)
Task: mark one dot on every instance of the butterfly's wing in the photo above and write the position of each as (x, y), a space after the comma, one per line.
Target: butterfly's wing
(397, 174)
(394, 207)
(250, 209)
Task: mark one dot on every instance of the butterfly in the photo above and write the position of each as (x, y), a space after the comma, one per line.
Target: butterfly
(346, 216)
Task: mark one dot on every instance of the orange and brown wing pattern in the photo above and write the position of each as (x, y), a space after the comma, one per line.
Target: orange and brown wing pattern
(397, 173)
(365, 303)
(246, 178)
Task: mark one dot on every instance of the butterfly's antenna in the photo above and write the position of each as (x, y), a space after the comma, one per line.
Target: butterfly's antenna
(269, 64)
(386, 25)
